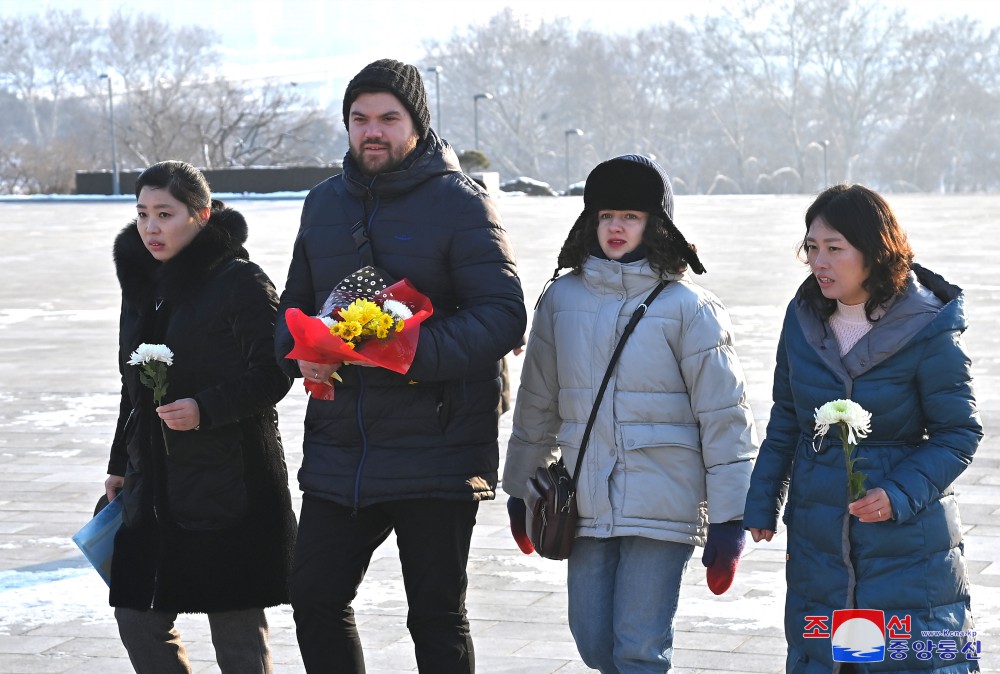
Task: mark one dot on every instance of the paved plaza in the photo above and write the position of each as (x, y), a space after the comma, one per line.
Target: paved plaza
(59, 302)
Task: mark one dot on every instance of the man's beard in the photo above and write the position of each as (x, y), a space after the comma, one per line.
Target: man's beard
(390, 161)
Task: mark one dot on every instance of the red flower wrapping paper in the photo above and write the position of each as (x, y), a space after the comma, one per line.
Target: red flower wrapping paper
(315, 343)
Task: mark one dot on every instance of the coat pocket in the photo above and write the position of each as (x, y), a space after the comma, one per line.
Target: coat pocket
(205, 487)
(664, 473)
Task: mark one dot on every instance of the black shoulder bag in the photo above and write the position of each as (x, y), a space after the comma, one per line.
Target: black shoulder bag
(551, 512)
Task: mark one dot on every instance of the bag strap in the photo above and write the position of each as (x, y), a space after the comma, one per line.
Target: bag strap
(359, 232)
(639, 312)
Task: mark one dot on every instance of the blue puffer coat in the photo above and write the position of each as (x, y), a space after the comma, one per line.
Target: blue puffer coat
(431, 433)
(911, 371)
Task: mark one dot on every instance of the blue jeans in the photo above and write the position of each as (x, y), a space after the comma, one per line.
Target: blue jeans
(622, 599)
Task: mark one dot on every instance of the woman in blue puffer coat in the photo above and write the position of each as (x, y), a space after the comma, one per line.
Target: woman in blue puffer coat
(871, 326)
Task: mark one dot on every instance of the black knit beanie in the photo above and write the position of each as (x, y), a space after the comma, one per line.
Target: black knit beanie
(401, 80)
(632, 182)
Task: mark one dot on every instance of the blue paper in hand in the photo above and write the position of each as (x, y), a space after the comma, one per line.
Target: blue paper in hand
(97, 538)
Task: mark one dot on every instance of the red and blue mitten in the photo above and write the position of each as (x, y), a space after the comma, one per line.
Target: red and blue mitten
(722, 554)
(517, 512)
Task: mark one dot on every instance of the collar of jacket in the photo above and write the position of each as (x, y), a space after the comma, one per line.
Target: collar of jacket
(143, 278)
(432, 157)
(928, 303)
(632, 278)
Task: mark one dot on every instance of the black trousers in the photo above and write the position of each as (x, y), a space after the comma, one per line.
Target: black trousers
(332, 554)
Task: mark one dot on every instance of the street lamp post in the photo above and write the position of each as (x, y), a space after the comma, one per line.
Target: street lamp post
(826, 179)
(568, 133)
(822, 146)
(437, 93)
(475, 112)
(115, 188)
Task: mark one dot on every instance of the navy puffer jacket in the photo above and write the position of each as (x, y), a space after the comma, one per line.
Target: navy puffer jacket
(431, 433)
(911, 371)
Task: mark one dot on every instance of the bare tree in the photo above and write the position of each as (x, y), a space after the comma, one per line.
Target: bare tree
(764, 98)
(521, 66)
(730, 53)
(739, 102)
(44, 57)
(946, 142)
(245, 127)
(860, 54)
(672, 88)
(161, 70)
(177, 105)
(43, 60)
(764, 51)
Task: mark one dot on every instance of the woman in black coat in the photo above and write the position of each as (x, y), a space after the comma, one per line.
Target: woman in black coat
(208, 524)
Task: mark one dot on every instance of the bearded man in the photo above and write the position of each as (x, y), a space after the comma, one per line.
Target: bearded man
(409, 453)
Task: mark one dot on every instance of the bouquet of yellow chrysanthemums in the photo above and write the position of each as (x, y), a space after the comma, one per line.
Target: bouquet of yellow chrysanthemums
(364, 320)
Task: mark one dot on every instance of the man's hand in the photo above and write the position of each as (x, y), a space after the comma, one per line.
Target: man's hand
(517, 512)
(318, 372)
(722, 554)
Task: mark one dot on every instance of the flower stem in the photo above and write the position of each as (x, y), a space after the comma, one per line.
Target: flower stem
(855, 479)
(163, 432)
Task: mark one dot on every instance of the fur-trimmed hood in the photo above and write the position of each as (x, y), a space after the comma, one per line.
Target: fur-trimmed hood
(143, 278)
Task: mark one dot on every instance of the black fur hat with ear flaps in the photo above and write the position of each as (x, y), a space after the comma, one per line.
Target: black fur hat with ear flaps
(631, 182)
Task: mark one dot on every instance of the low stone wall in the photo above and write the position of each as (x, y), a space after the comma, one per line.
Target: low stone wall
(238, 180)
(490, 180)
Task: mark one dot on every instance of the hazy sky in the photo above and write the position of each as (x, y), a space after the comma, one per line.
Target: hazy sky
(363, 30)
(330, 40)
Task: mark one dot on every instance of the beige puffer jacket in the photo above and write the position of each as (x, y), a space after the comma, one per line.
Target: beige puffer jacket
(674, 443)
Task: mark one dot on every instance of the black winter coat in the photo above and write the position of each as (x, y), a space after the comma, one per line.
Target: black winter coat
(431, 433)
(208, 526)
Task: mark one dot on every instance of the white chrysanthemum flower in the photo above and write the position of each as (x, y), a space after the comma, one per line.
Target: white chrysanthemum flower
(328, 321)
(398, 310)
(852, 415)
(151, 352)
